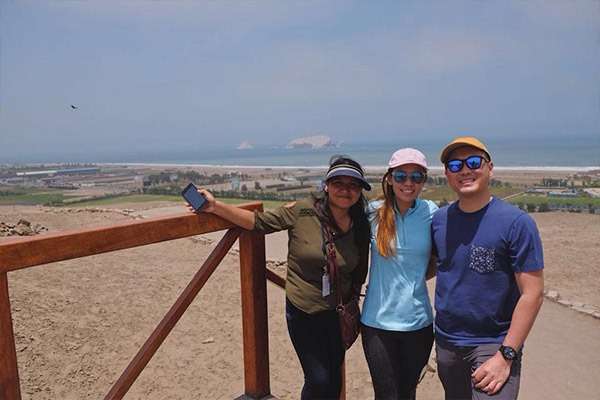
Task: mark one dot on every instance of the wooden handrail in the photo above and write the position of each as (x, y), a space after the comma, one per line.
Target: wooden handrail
(276, 279)
(42, 249)
(165, 326)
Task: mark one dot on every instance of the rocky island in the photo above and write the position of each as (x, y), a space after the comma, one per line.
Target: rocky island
(311, 142)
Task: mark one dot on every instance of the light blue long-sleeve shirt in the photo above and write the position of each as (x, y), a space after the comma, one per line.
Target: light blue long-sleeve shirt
(397, 298)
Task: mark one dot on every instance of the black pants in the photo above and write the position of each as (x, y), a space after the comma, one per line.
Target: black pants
(318, 343)
(396, 360)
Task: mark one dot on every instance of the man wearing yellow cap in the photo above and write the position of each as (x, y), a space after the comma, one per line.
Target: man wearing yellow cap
(489, 285)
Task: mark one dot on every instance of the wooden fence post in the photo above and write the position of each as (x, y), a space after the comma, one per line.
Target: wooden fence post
(9, 372)
(254, 315)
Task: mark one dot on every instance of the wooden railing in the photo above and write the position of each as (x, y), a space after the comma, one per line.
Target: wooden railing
(22, 253)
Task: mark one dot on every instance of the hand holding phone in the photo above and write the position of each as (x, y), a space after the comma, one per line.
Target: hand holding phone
(195, 199)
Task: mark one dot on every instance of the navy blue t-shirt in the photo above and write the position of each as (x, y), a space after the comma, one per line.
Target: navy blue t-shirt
(478, 256)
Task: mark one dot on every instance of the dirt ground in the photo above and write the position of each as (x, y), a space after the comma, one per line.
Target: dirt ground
(78, 323)
(571, 254)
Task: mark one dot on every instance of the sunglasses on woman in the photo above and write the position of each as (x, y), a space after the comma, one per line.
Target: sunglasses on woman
(415, 176)
(472, 162)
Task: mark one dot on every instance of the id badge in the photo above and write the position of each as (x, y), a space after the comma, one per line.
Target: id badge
(326, 288)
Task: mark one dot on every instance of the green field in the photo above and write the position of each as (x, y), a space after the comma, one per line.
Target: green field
(144, 198)
(132, 198)
(439, 193)
(267, 204)
(20, 196)
(30, 197)
(541, 199)
(436, 193)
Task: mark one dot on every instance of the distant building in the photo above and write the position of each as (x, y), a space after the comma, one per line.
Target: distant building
(566, 193)
(52, 172)
(235, 183)
(593, 192)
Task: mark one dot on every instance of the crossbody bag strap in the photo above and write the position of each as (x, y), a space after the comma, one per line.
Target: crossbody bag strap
(333, 270)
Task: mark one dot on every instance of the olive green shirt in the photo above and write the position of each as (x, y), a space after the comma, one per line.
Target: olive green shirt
(306, 257)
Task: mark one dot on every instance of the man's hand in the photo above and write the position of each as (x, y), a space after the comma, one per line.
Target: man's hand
(492, 374)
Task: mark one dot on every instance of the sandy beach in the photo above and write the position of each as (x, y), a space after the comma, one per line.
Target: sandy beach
(78, 323)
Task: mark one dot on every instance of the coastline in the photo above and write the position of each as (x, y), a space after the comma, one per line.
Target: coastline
(524, 168)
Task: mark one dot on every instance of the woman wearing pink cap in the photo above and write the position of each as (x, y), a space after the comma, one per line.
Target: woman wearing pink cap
(397, 321)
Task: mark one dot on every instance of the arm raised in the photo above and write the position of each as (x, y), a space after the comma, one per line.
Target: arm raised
(242, 218)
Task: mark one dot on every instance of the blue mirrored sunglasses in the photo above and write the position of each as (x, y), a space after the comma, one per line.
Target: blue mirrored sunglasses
(415, 176)
(472, 162)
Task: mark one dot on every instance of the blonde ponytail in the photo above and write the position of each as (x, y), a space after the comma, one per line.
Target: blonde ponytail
(386, 221)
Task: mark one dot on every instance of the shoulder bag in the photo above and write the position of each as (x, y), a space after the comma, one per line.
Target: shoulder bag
(349, 313)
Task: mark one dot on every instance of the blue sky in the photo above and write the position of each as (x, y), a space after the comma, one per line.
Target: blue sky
(153, 75)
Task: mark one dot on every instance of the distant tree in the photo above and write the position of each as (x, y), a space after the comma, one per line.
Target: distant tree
(244, 188)
(257, 185)
(543, 207)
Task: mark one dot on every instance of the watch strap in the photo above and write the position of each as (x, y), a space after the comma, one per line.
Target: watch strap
(508, 353)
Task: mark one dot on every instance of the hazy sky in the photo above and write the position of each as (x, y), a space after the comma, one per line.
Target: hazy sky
(150, 75)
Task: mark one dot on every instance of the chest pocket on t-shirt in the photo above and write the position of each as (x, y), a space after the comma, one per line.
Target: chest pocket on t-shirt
(482, 260)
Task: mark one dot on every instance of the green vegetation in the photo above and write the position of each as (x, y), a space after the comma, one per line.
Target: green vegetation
(176, 179)
(538, 200)
(21, 196)
(30, 197)
(440, 193)
(144, 198)
(267, 204)
(133, 198)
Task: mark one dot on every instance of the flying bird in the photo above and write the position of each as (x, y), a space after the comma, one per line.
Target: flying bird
(74, 107)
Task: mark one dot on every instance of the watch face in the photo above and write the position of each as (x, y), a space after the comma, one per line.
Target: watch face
(508, 352)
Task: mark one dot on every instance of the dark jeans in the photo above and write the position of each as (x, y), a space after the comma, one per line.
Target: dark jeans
(318, 343)
(396, 360)
(456, 364)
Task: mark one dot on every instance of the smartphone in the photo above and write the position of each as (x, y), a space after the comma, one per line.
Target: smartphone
(195, 199)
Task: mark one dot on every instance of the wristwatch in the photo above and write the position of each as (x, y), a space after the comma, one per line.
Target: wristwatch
(508, 352)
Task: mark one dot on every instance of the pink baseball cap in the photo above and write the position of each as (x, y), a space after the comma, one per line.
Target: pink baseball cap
(407, 155)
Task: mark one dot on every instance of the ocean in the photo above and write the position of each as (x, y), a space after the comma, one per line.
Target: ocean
(554, 153)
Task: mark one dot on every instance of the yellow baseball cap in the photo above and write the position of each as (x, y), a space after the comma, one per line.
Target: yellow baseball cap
(460, 142)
